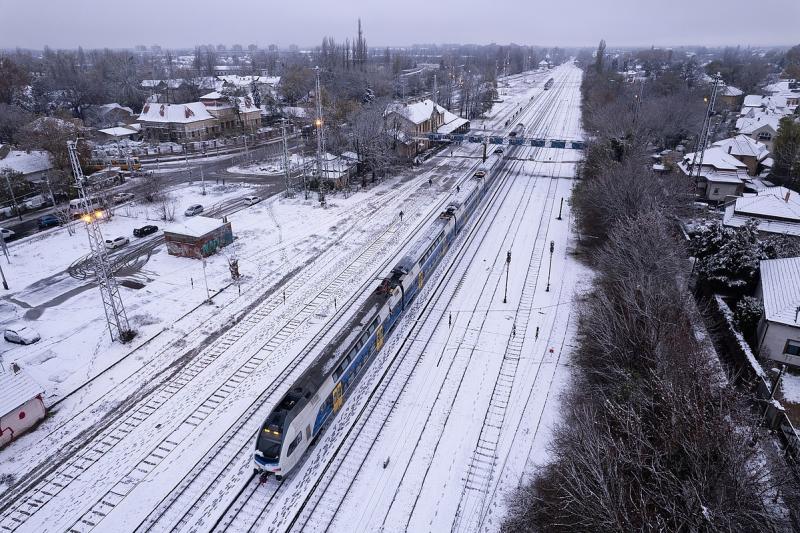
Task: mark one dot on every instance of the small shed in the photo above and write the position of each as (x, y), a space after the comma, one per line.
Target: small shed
(21, 403)
(198, 237)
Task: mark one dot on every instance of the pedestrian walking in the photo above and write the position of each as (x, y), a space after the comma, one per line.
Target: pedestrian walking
(450, 321)
(430, 182)
(514, 329)
(537, 333)
(191, 280)
(284, 297)
(401, 216)
(458, 188)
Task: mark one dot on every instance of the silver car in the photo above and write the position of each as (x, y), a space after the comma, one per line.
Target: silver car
(193, 210)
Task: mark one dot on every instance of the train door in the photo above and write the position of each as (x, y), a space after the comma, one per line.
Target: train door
(338, 397)
(379, 337)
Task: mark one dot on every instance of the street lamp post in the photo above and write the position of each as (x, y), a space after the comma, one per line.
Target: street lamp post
(508, 267)
(550, 268)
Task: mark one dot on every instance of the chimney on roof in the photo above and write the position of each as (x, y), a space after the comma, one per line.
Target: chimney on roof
(730, 148)
(786, 198)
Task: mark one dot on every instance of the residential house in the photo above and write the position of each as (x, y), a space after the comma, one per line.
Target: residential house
(776, 209)
(751, 153)
(730, 95)
(762, 128)
(789, 90)
(779, 327)
(108, 115)
(177, 122)
(118, 133)
(21, 403)
(244, 116)
(408, 122)
(720, 174)
(35, 166)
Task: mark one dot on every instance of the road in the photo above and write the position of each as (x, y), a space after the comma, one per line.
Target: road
(176, 172)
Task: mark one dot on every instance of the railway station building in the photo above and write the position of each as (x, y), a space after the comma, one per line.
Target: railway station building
(198, 237)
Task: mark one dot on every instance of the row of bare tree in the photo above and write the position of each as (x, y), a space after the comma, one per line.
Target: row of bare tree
(652, 437)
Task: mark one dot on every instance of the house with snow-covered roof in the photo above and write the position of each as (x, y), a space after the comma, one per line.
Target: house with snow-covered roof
(21, 403)
(177, 122)
(720, 175)
(779, 328)
(762, 128)
(730, 95)
(409, 120)
(751, 153)
(237, 113)
(776, 209)
(35, 166)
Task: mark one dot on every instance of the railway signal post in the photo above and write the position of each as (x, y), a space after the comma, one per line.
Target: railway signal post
(550, 268)
(508, 266)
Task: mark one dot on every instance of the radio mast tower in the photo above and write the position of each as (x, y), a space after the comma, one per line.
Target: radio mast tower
(320, 140)
(112, 302)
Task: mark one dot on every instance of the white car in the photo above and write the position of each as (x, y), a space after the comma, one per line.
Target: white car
(193, 210)
(122, 197)
(116, 243)
(250, 200)
(6, 233)
(21, 335)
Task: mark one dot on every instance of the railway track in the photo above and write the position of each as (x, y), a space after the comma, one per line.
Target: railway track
(358, 456)
(41, 489)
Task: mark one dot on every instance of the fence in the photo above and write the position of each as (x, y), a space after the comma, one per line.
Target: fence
(737, 353)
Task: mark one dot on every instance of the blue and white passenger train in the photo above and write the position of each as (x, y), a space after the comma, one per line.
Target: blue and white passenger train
(322, 389)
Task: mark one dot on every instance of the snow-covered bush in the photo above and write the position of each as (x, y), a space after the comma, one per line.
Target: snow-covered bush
(728, 258)
(747, 314)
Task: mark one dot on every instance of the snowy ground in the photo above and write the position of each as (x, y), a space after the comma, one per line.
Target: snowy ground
(271, 167)
(163, 439)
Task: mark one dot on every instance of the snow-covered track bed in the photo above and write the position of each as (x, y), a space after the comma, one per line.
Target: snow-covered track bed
(45, 487)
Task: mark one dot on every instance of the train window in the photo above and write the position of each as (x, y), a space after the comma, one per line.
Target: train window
(337, 373)
(294, 443)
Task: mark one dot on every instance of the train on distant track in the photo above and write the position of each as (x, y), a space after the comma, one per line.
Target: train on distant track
(319, 393)
(549, 84)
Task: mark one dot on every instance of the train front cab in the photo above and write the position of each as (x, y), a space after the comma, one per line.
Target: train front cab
(270, 439)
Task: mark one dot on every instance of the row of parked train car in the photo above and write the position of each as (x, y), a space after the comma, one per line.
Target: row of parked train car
(320, 392)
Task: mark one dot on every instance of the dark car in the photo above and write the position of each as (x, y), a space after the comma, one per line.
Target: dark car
(145, 230)
(48, 221)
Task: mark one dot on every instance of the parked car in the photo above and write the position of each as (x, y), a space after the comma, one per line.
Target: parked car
(36, 202)
(116, 243)
(480, 174)
(498, 151)
(193, 210)
(6, 233)
(21, 335)
(145, 230)
(250, 200)
(122, 197)
(48, 221)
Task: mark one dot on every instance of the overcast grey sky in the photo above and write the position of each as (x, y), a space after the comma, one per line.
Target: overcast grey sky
(178, 23)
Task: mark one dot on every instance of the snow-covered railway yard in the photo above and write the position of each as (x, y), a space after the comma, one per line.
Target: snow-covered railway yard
(447, 420)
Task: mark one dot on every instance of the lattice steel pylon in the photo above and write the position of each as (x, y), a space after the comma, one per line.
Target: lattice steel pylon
(114, 310)
(701, 145)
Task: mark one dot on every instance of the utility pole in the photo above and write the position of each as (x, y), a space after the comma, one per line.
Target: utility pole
(202, 172)
(13, 196)
(320, 140)
(508, 267)
(559, 208)
(114, 310)
(286, 160)
(550, 268)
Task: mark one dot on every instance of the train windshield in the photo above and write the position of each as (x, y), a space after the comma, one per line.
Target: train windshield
(268, 444)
